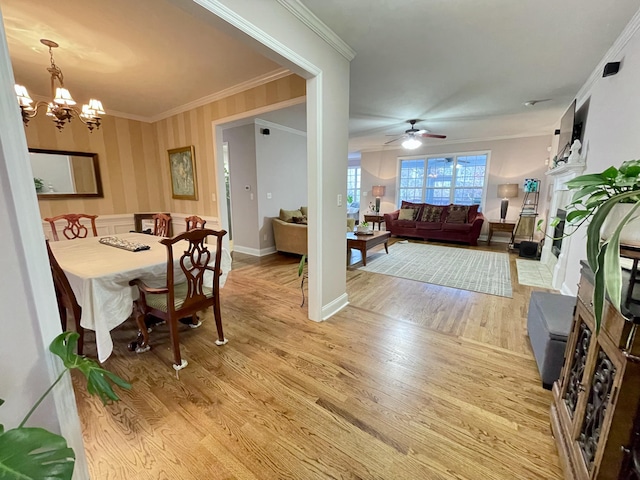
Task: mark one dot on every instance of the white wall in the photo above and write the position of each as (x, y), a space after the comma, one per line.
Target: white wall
(612, 125)
(276, 26)
(242, 174)
(511, 161)
(272, 165)
(282, 175)
(30, 317)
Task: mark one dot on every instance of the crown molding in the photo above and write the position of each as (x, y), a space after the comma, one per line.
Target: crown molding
(231, 17)
(613, 54)
(284, 128)
(306, 16)
(240, 87)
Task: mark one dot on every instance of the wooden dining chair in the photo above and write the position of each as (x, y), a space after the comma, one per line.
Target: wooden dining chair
(194, 221)
(66, 298)
(73, 228)
(162, 225)
(183, 300)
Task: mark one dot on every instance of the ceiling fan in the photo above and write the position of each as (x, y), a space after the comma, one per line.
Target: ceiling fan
(412, 136)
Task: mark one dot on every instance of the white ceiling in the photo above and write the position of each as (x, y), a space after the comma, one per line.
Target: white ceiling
(466, 67)
(141, 57)
(463, 67)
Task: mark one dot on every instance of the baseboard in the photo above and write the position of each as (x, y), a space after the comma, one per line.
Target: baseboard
(334, 307)
(254, 252)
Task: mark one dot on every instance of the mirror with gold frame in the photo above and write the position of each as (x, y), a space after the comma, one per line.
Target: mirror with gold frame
(64, 174)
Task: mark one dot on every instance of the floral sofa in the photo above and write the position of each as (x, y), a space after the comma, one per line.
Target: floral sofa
(460, 223)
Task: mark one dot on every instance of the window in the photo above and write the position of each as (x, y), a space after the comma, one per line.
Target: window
(353, 186)
(443, 180)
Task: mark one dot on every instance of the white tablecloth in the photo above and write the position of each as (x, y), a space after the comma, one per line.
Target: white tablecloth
(99, 276)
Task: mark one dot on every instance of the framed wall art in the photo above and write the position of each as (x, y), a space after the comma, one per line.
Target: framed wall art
(182, 166)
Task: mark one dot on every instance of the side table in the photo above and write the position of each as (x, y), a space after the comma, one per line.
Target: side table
(499, 226)
(372, 218)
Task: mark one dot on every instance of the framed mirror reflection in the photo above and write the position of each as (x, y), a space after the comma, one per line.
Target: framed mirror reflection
(65, 174)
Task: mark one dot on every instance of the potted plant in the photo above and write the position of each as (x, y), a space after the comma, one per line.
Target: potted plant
(29, 452)
(303, 274)
(610, 200)
(363, 228)
(39, 184)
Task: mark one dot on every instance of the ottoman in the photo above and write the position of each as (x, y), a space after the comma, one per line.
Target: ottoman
(549, 322)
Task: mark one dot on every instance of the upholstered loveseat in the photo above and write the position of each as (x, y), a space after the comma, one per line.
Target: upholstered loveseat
(460, 223)
(290, 230)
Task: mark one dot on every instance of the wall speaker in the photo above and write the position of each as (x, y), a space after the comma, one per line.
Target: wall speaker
(611, 68)
(530, 250)
(265, 131)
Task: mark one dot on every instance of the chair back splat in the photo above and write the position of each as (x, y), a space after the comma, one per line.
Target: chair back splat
(65, 297)
(201, 268)
(162, 225)
(73, 228)
(194, 221)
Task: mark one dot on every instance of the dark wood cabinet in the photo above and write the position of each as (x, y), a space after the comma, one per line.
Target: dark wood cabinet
(595, 401)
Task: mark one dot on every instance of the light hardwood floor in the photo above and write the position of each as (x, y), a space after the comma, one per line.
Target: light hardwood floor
(410, 381)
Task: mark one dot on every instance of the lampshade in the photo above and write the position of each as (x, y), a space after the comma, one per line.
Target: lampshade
(508, 190)
(378, 190)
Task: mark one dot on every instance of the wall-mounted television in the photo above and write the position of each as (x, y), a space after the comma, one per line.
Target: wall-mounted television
(566, 130)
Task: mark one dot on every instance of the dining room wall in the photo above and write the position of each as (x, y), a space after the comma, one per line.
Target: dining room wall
(194, 127)
(127, 154)
(133, 159)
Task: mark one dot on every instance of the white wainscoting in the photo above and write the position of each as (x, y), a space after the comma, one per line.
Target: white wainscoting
(123, 223)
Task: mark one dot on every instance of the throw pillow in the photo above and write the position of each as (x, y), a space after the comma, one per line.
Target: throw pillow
(432, 213)
(287, 215)
(301, 220)
(416, 206)
(406, 214)
(304, 211)
(457, 214)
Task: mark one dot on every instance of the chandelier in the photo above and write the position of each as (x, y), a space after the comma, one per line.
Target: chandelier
(61, 108)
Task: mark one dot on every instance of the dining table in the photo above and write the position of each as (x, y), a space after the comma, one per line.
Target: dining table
(99, 275)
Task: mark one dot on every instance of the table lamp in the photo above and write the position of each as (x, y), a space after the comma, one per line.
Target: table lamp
(378, 191)
(506, 191)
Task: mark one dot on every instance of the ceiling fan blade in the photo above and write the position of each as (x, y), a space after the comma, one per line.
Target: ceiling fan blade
(432, 135)
(420, 132)
(391, 141)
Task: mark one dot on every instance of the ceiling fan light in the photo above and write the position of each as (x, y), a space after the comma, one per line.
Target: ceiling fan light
(411, 143)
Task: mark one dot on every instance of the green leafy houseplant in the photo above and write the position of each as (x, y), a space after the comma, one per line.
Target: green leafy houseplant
(594, 198)
(303, 274)
(39, 184)
(36, 453)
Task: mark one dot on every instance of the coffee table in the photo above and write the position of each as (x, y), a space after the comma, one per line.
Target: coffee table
(364, 242)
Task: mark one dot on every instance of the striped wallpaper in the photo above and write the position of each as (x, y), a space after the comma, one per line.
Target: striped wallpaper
(133, 155)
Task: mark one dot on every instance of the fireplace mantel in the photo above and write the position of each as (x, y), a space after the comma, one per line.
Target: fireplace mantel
(568, 171)
(560, 197)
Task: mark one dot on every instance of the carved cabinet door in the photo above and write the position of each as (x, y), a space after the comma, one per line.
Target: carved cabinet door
(588, 392)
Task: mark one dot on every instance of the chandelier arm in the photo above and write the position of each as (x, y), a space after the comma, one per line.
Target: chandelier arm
(61, 109)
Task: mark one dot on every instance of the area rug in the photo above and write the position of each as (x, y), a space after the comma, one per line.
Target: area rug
(466, 269)
(534, 273)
